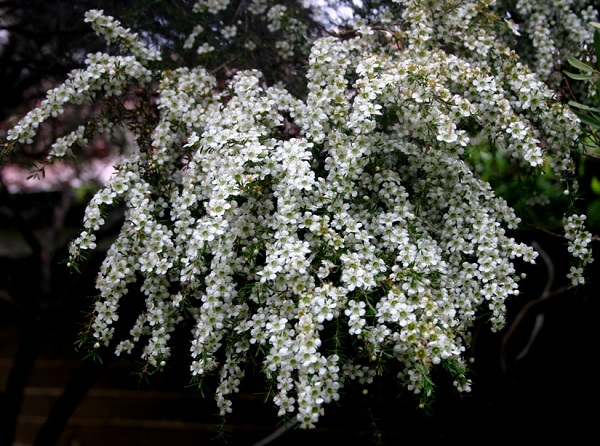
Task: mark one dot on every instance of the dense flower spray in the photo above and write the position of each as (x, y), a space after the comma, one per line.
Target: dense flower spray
(337, 236)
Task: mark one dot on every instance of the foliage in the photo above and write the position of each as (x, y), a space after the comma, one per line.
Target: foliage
(589, 71)
(334, 232)
(588, 74)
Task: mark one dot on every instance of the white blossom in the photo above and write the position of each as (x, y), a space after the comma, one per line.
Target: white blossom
(328, 233)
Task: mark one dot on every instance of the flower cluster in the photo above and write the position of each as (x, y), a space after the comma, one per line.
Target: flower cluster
(332, 236)
(290, 33)
(579, 240)
(112, 31)
(106, 74)
(556, 28)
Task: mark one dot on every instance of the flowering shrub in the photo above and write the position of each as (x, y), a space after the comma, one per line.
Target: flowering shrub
(336, 236)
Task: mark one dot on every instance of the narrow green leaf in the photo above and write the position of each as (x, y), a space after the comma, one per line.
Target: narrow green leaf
(597, 45)
(579, 77)
(583, 107)
(579, 64)
(595, 24)
(588, 120)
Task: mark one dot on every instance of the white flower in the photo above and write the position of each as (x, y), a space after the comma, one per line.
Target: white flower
(328, 236)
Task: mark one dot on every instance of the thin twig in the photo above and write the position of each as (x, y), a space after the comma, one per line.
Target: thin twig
(527, 308)
(275, 435)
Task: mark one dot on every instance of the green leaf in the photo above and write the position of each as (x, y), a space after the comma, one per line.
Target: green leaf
(597, 44)
(595, 185)
(579, 77)
(595, 24)
(584, 107)
(588, 120)
(579, 64)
